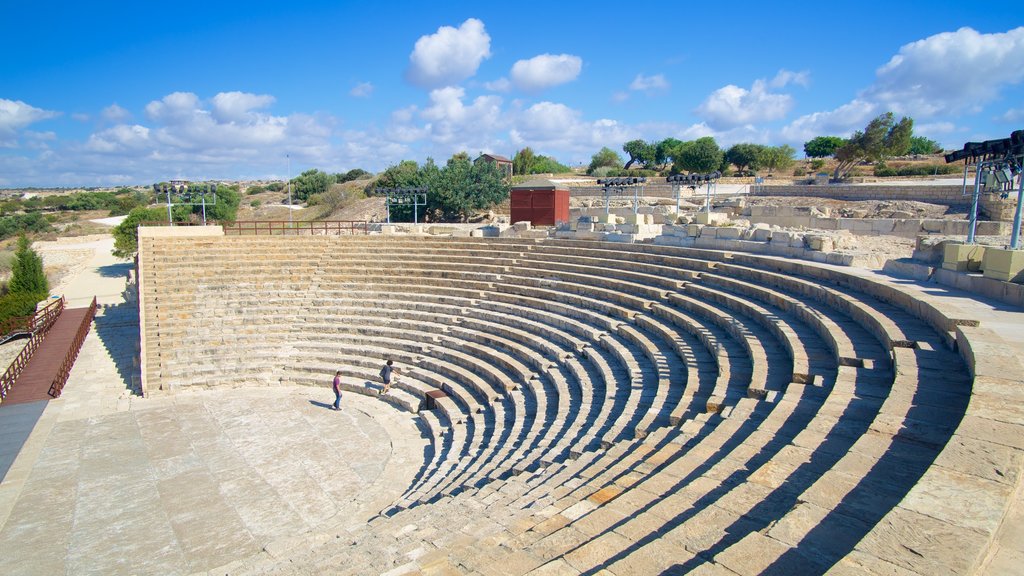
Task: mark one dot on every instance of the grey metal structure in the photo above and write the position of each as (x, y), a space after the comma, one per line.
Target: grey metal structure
(184, 193)
(996, 164)
(414, 197)
(620, 185)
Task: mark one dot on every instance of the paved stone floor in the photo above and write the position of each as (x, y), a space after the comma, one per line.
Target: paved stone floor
(107, 482)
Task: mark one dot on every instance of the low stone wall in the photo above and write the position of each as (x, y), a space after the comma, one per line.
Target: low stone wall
(990, 205)
(810, 217)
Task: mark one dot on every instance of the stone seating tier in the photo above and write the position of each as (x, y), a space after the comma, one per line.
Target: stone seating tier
(834, 401)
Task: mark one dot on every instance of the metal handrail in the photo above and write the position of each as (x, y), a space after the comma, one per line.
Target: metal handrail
(285, 228)
(41, 323)
(76, 346)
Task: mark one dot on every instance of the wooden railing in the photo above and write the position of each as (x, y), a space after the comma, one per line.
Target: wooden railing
(39, 325)
(285, 228)
(76, 346)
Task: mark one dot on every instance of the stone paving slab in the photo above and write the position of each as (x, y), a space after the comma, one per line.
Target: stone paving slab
(187, 486)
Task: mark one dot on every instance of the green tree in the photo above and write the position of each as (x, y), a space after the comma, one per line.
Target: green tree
(822, 146)
(924, 146)
(777, 157)
(353, 174)
(523, 161)
(226, 207)
(126, 234)
(402, 175)
(639, 151)
(881, 138)
(462, 187)
(310, 182)
(745, 155)
(666, 151)
(604, 157)
(27, 276)
(546, 165)
(700, 155)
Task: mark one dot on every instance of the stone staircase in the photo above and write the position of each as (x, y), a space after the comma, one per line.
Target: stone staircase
(633, 408)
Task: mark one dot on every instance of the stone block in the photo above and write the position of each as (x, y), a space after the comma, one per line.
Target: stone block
(728, 233)
(713, 218)
(1003, 264)
(522, 226)
(761, 235)
(388, 229)
(962, 257)
(693, 230)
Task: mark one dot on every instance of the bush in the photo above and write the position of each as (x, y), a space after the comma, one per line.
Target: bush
(255, 190)
(799, 172)
(19, 304)
(255, 203)
(275, 186)
(602, 171)
(817, 164)
(27, 276)
(616, 172)
(882, 171)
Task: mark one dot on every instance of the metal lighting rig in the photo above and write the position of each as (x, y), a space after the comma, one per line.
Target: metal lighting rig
(185, 193)
(414, 197)
(996, 164)
(620, 185)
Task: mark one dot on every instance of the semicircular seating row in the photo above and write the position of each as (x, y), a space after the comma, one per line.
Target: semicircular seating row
(646, 407)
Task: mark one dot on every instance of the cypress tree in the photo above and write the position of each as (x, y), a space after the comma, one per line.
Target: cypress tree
(27, 275)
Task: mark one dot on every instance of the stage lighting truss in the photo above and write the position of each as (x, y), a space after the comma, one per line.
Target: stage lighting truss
(694, 181)
(620, 186)
(414, 197)
(187, 194)
(996, 164)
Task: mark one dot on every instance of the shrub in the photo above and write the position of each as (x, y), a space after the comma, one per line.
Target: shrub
(616, 172)
(799, 172)
(275, 186)
(255, 203)
(602, 171)
(27, 276)
(18, 304)
(257, 189)
(817, 164)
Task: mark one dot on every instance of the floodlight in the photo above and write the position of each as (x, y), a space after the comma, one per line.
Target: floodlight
(1003, 175)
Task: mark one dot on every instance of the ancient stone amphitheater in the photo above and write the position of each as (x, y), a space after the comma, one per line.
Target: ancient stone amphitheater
(615, 409)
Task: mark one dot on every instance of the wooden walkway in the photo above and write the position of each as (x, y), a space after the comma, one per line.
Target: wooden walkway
(34, 382)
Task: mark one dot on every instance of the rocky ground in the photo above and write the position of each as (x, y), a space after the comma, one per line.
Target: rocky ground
(866, 208)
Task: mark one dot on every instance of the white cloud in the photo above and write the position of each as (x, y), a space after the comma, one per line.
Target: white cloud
(545, 71)
(949, 73)
(932, 129)
(1012, 116)
(115, 113)
(361, 90)
(732, 106)
(649, 83)
(448, 56)
(15, 115)
(239, 106)
(786, 77)
(556, 127)
(839, 122)
(450, 121)
(499, 85)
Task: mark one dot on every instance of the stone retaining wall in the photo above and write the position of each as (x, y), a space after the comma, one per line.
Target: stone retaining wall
(991, 205)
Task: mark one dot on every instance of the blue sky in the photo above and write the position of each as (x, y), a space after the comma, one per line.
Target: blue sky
(110, 93)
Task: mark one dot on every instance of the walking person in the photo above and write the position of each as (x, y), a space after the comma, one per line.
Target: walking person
(385, 375)
(337, 390)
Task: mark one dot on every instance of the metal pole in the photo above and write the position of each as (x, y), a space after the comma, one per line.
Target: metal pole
(1015, 236)
(415, 210)
(289, 157)
(679, 194)
(974, 204)
(170, 221)
(203, 196)
(387, 203)
(707, 205)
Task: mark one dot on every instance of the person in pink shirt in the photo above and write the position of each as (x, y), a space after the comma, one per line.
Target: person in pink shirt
(337, 390)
